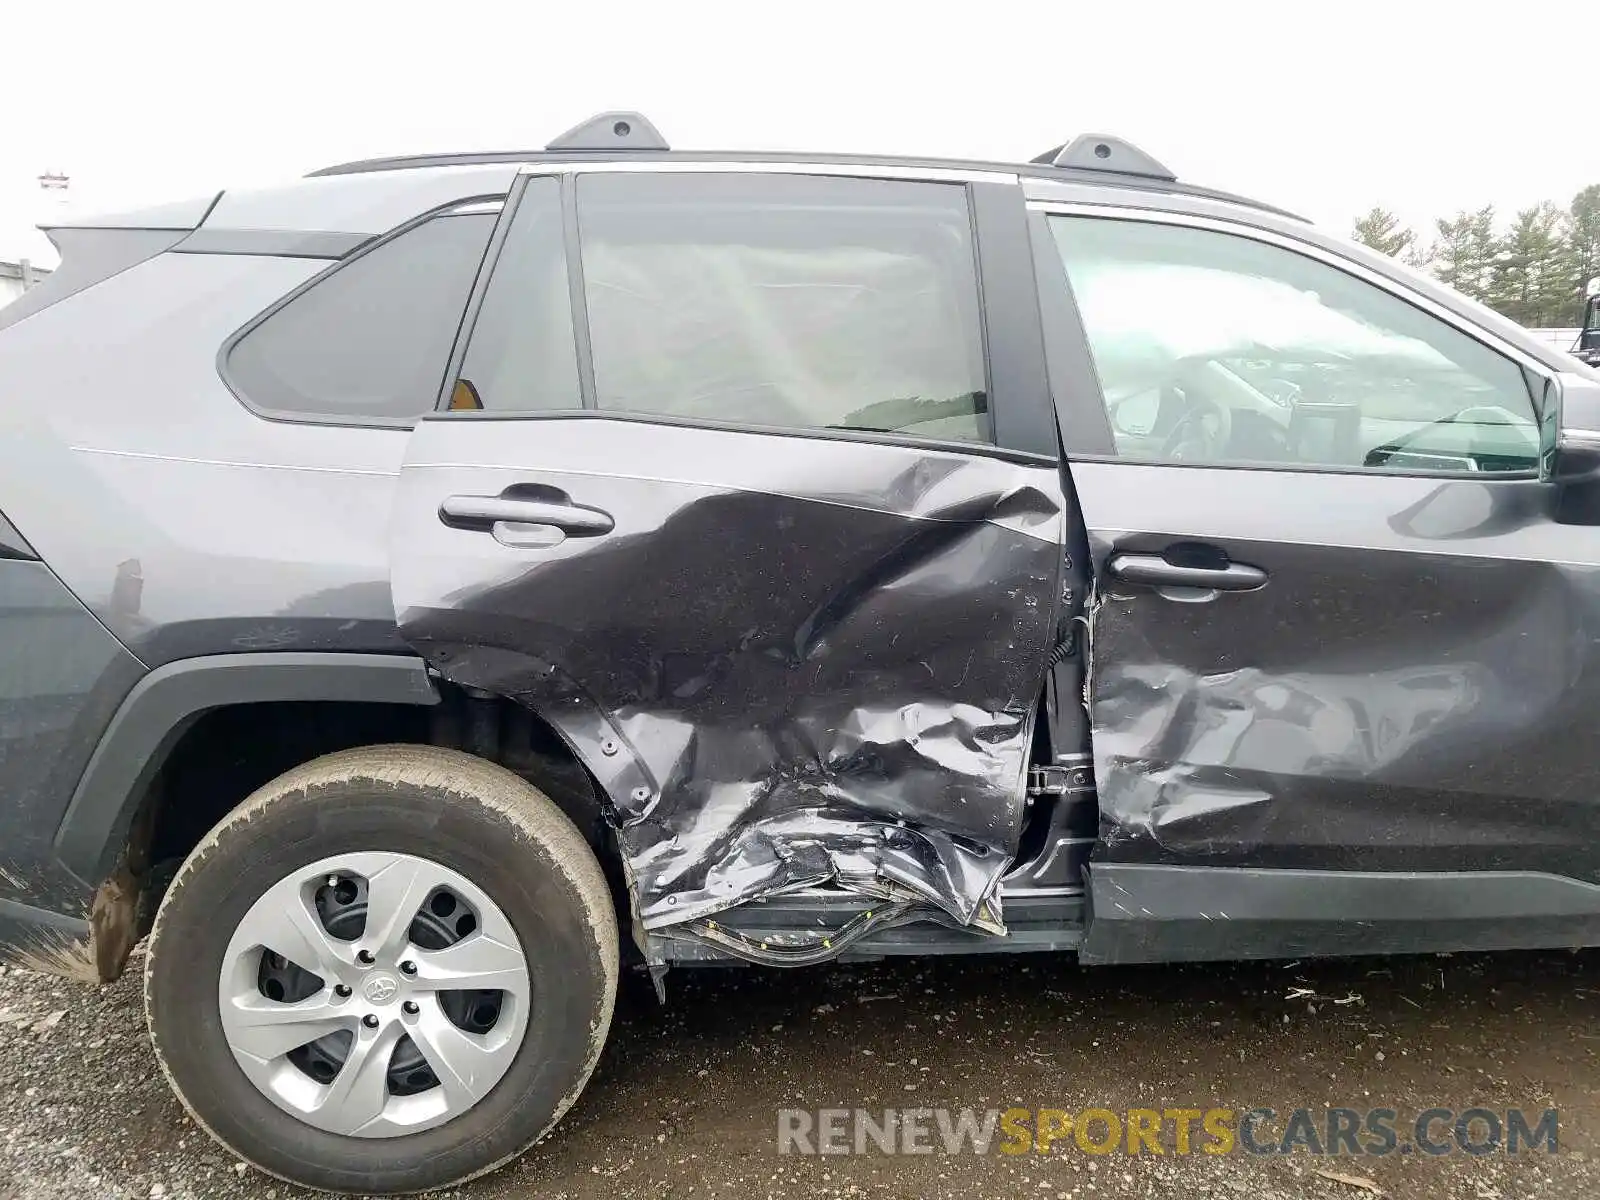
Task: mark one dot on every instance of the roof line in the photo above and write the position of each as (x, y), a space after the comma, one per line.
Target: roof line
(1104, 178)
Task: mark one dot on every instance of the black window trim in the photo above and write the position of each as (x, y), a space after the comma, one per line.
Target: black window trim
(274, 243)
(480, 286)
(1081, 450)
(1083, 423)
(1006, 301)
(286, 417)
(578, 292)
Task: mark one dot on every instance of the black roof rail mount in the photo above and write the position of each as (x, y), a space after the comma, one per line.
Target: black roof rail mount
(612, 131)
(1102, 152)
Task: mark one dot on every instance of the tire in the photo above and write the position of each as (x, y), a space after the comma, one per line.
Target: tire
(498, 833)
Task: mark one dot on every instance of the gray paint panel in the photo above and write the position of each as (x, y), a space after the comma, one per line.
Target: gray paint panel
(1149, 913)
(156, 713)
(189, 525)
(906, 480)
(1412, 689)
(61, 679)
(175, 214)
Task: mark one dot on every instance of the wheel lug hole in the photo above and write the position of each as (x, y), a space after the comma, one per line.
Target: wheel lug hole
(364, 957)
(410, 1008)
(342, 991)
(370, 1020)
(408, 967)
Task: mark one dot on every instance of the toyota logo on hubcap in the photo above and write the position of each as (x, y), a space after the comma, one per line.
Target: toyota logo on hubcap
(380, 989)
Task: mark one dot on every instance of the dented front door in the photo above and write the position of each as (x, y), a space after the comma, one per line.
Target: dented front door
(1341, 640)
(791, 657)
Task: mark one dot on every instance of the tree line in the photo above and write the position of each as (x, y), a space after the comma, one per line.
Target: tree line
(1533, 269)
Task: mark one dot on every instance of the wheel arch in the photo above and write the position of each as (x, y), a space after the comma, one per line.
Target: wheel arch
(177, 755)
(99, 819)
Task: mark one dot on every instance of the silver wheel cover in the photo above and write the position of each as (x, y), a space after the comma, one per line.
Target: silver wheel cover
(393, 997)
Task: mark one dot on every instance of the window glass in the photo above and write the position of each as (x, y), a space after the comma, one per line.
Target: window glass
(1222, 349)
(370, 339)
(784, 300)
(520, 356)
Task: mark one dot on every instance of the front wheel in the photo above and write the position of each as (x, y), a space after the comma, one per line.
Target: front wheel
(389, 970)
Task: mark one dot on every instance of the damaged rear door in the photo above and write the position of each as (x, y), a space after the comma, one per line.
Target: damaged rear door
(739, 485)
(1342, 650)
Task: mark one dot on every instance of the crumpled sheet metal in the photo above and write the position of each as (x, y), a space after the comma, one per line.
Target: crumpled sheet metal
(922, 801)
(827, 681)
(1447, 736)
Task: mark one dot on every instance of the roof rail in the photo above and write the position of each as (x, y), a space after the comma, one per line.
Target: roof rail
(1102, 152)
(612, 131)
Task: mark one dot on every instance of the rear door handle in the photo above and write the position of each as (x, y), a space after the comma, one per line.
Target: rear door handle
(483, 512)
(1156, 571)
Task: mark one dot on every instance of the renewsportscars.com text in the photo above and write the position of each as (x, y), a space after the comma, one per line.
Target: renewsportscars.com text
(1372, 1132)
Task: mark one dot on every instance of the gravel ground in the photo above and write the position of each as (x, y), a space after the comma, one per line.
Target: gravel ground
(685, 1101)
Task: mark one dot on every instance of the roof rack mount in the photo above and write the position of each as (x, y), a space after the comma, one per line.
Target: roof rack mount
(612, 131)
(1103, 152)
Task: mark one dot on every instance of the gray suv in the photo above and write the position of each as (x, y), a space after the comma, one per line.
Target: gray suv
(415, 574)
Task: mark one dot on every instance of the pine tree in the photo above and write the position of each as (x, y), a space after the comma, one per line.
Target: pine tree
(1536, 273)
(1463, 254)
(1418, 256)
(1530, 278)
(1381, 230)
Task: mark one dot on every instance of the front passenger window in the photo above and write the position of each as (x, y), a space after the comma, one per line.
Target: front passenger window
(1215, 348)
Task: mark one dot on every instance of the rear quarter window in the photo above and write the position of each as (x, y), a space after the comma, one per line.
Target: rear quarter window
(368, 340)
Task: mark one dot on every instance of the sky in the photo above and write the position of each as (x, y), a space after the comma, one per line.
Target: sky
(1324, 109)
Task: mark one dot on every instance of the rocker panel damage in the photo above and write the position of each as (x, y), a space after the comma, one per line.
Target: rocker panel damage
(792, 663)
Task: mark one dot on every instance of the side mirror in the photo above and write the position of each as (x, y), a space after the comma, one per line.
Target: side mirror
(1588, 348)
(1569, 429)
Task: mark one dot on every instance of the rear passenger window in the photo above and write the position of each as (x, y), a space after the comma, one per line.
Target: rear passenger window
(784, 300)
(751, 299)
(370, 339)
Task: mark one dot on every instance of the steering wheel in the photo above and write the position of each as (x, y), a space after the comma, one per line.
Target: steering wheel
(1202, 433)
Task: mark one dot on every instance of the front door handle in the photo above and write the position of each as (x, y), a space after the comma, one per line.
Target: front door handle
(1156, 571)
(484, 512)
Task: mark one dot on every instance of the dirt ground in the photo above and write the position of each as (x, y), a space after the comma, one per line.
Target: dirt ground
(686, 1098)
